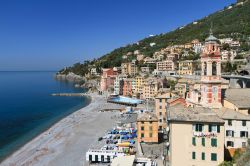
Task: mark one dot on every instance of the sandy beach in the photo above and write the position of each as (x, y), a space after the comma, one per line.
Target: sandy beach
(66, 142)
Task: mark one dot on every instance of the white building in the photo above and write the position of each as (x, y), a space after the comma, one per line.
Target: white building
(237, 127)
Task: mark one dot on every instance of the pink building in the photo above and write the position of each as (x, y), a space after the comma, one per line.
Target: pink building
(107, 79)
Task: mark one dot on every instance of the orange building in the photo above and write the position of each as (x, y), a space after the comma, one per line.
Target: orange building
(147, 128)
(127, 87)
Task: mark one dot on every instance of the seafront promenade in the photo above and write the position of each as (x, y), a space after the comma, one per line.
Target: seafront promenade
(66, 142)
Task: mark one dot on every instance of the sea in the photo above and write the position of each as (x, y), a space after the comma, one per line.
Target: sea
(27, 107)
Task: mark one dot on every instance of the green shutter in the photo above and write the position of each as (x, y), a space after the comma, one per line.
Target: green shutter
(209, 128)
(203, 156)
(218, 128)
(193, 155)
(214, 142)
(193, 141)
(213, 156)
(203, 141)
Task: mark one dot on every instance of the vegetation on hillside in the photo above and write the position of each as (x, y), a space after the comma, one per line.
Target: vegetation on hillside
(234, 22)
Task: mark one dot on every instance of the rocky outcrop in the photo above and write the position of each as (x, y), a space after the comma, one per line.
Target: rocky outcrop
(70, 77)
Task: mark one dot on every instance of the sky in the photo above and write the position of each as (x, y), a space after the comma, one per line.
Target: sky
(52, 34)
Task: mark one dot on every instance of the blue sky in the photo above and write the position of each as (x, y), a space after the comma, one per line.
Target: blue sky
(51, 34)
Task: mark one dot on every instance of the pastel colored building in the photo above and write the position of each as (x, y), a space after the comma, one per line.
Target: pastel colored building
(196, 135)
(167, 65)
(161, 110)
(147, 128)
(107, 79)
(186, 67)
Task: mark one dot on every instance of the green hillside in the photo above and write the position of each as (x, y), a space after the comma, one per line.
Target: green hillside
(234, 22)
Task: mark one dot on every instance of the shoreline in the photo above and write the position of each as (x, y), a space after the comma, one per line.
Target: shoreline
(74, 133)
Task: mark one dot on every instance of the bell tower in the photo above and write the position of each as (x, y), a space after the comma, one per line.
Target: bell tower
(211, 73)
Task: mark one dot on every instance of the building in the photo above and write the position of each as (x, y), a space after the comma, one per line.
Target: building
(93, 71)
(132, 161)
(149, 60)
(195, 134)
(140, 57)
(197, 46)
(161, 110)
(127, 87)
(119, 83)
(129, 68)
(238, 100)
(211, 73)
(165, 66)
(145, 69)
(237, 127)
(139, 84)
(147, 128)
(107, 79)
(186, 67)
(150, 89)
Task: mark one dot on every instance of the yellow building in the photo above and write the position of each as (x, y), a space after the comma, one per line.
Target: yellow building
(161, 109)
(196, 135)
(150, 89)
(238, 100)
(147, 128)
(129, 68)
(186, 67)
(139, 83)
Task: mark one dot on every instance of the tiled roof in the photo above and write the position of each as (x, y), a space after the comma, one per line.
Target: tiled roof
(148, 117)
(197, 114)
(225, 113)
(239, 97)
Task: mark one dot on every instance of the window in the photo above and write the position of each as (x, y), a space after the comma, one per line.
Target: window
(160, 120)
(214, 128)
(244, 123)
(160, 100)
(214, 68)
(203, 141)
(160, 107)
(193, 155)
(229, 122)
(205, 69)
(150, 128)
(230, 144)
(244, 134)
(244, 144)
(214, 142)
(194, 141)
(203, 156)
(150, 134)
(229, 133)
(160, 113)
(142, 135)
(142, 128)
(198, 127)
(213, 157)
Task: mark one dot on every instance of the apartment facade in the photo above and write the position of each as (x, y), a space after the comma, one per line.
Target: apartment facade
(186, 67)
(161, 110)
(167, 65)
(129, 68)
(119, 83)
(150, 89)
(197, 136)
(107, 79)
(147, 128)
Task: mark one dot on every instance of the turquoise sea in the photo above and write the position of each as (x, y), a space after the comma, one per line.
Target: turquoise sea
(27, 107)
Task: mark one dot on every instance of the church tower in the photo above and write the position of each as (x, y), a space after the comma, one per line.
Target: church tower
(211, 73)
